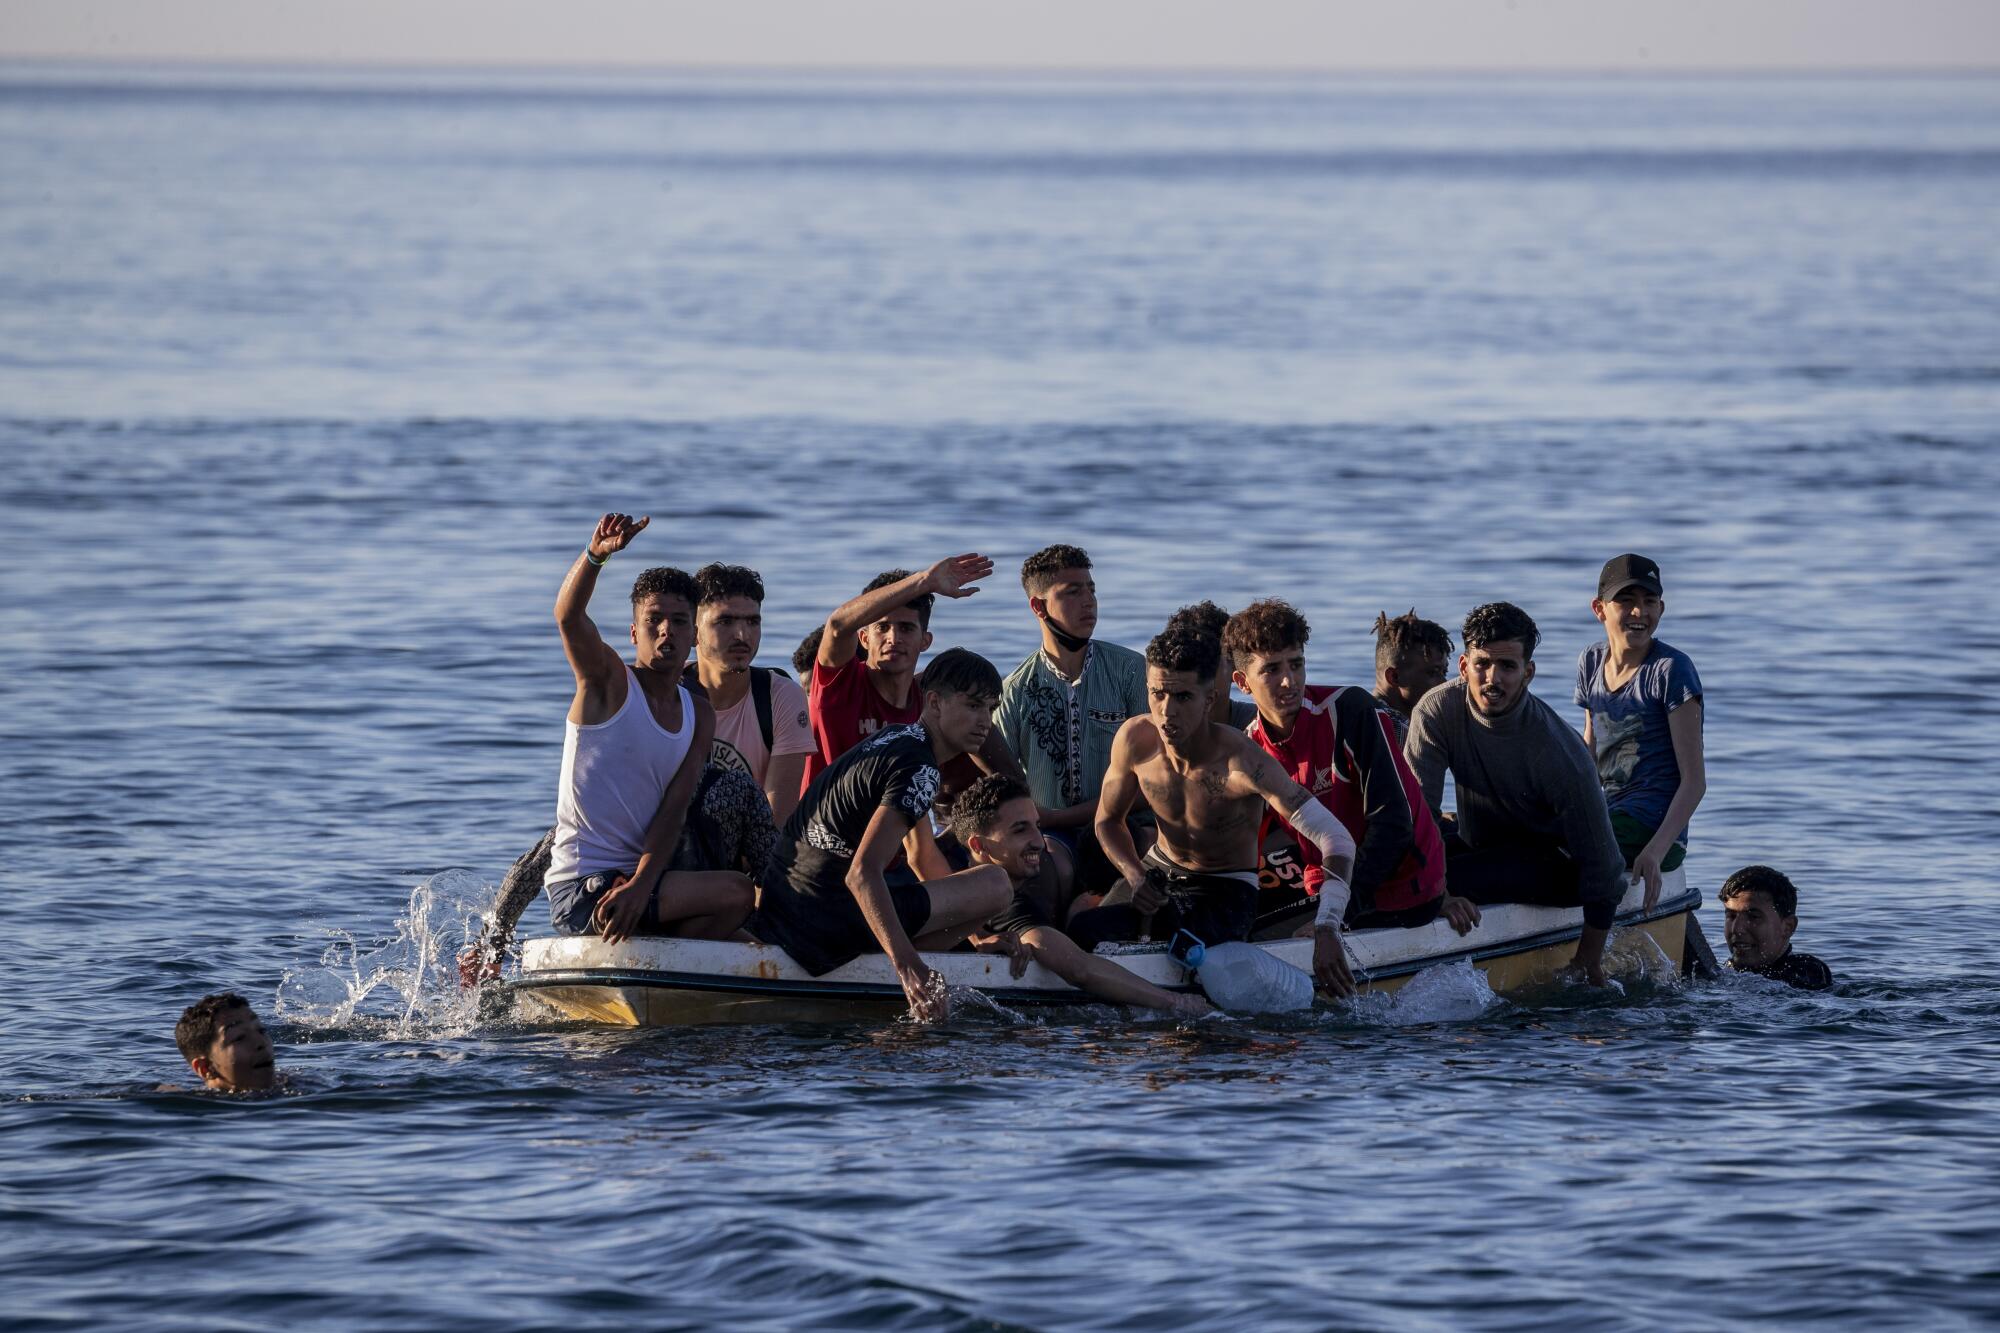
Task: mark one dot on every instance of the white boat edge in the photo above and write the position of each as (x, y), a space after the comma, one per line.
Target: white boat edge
(655, 980)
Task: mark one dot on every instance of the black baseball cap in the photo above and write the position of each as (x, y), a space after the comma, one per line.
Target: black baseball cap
(1622, 571)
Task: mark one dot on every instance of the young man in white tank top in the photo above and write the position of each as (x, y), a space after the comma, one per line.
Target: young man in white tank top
(634, 747)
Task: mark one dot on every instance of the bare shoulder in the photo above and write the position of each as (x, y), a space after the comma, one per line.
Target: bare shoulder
(1138, 739)
(1249, 761)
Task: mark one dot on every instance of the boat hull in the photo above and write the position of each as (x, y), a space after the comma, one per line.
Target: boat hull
(657, 982)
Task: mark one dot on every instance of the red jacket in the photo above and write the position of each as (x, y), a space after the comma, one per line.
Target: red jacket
(1343, 750)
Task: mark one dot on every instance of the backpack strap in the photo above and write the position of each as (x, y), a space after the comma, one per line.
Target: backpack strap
(760, 696)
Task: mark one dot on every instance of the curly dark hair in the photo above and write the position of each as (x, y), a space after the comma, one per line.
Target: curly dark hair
(665, 581)
(1269, 626)
(1500, 622)
(1783, 893)
(1181, 647)
(921, 604)
(961, 671)
(1038, 571)
(1398, 641)
(716, 582)
(1203, 618)
(977, 809)
(807, 652)
(201, 1022)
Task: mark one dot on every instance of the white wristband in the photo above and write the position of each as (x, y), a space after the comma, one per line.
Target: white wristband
(1333, 896)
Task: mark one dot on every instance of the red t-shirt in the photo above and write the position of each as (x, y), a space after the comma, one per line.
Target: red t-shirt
(847, 709)
(1343, 750)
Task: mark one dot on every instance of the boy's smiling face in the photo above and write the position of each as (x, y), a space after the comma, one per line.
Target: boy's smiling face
(1630, 617)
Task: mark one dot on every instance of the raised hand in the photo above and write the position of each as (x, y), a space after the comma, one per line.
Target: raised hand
(615, 532)
(955, 576)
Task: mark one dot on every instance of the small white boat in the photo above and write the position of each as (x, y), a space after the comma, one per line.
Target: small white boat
(656, 982)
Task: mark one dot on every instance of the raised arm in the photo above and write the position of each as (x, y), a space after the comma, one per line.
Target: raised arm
(619, 910)
(598, 669)
(886, 831)
(952, 577)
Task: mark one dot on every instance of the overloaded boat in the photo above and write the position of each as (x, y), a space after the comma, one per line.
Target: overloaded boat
(657, 982)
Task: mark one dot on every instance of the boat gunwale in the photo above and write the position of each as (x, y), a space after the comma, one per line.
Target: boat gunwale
(814, 988)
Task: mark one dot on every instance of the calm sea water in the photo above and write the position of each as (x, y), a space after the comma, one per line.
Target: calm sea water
(313, 383)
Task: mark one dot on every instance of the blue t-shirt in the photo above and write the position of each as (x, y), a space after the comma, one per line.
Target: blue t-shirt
(1628, 728)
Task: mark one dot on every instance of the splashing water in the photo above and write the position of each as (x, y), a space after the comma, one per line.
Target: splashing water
(406, 985)
(1447, 993)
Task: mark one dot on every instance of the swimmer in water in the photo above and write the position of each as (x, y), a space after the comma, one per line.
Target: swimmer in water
(225, 1043)
(1760, 912)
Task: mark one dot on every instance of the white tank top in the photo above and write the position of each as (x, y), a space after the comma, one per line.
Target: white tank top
(613, 775)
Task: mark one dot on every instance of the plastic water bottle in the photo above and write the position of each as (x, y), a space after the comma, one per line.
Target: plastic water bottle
(1243, 978)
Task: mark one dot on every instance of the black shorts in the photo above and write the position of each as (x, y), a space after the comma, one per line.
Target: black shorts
(1213, 908)
(572, 902)
(822, 931)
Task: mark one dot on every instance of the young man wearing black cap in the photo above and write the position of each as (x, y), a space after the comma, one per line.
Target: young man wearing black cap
(1642, 719)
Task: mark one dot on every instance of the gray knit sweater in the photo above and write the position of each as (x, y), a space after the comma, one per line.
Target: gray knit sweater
(1524, 772)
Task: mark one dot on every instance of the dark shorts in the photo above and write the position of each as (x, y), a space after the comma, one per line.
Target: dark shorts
(826, 930)
(1213, 908)
(1633, 836)
(572, 902)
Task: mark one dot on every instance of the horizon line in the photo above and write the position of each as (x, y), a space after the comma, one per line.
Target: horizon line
(1053, 72)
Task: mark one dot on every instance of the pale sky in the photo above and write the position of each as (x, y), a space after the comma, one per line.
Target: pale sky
(1026, 34)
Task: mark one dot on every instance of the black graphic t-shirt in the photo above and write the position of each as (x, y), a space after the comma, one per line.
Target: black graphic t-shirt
(894, 768)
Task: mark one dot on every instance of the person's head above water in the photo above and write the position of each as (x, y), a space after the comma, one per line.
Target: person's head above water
(224, 1042)
(996, 820)
(1410, 658)
(1629, 603)
(1499, 657)
(728, 616)
(1760, 911)
(1062, 593)
(663, 602)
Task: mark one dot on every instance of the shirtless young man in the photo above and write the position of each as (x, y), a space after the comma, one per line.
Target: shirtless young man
(634, 746)
(1208, 786)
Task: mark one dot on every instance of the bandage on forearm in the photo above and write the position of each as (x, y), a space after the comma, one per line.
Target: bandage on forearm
(1318, 826)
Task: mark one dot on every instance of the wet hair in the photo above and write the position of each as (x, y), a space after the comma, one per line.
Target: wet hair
(807, 653)
(1500, 622)
(1398, 640)
(201, 1022)
(1038, 571)
(1783, 893)
(977, 809)
(1268, 626)
(961, 671)
(1203, 618)
(717, 582)
(1180, 647)
(921, 603)
(665, 581)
